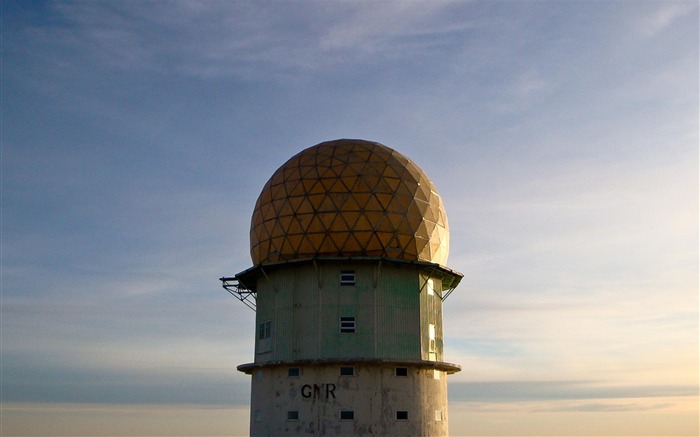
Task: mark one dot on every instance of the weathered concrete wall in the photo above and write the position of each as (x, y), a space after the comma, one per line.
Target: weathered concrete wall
(311, 403)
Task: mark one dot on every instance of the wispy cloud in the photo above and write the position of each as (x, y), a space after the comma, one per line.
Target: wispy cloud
(238, 38)
(658, 17)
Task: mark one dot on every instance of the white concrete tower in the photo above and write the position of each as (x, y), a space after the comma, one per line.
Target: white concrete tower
(349, 241)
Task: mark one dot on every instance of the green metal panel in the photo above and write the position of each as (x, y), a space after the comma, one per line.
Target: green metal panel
(431, 314)
(264, 312)
(437, 310)
(398, 313)
(305, 315)
(392, 312)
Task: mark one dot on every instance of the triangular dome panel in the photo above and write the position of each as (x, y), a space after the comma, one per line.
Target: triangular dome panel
(349, 198)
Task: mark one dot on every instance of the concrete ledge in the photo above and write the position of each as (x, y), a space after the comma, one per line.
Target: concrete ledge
(449, 368)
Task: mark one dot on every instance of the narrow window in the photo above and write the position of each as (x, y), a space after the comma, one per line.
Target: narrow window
(259, 375)
(347, 278)
(401, 371)
(293, 372)
(402, 415)
(347, 415)
(437, 374)
(438, 415)
(264, 341)
(431, 338)
(258, 415)
(430, 287)
(264, 330)
(292, 415)
(347, 371)
(347, 324)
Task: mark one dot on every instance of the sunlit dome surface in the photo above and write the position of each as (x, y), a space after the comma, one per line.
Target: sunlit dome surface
(349, 198)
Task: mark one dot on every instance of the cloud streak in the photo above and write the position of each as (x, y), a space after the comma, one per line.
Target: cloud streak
(214, 40)
(509, 391)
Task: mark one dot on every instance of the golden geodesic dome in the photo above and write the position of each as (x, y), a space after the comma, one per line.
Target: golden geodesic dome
(349, 198)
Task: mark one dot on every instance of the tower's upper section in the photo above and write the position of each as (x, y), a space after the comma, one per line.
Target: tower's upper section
(349, 198)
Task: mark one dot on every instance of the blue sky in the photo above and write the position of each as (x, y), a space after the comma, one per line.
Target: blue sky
(562, 136)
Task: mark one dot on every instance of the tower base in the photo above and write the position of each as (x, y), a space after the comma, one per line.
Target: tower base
(359, 398)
